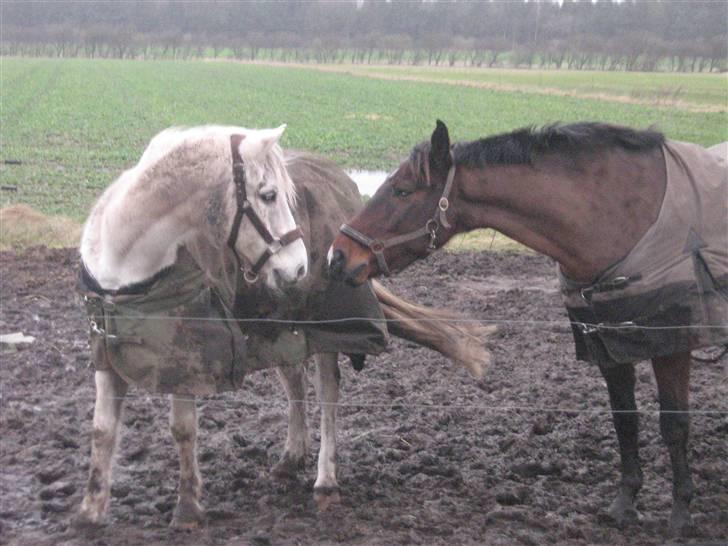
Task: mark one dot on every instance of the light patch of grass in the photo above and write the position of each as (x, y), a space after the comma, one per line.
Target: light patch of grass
(484, 239)
(22, 226)
(694, 91)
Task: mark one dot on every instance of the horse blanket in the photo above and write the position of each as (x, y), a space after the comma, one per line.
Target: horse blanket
(670, 293)
(336, 317)
(174, 333)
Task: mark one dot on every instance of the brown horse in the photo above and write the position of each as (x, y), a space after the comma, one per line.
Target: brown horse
(637, 223)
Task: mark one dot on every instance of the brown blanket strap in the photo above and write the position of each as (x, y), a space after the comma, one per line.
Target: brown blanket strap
(618, 283)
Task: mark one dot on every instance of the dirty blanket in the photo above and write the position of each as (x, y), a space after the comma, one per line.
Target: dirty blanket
(177, 336)
(670, 293)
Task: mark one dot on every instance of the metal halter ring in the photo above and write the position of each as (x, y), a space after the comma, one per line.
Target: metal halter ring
(443, 204)
(250, 277)
(377, 246)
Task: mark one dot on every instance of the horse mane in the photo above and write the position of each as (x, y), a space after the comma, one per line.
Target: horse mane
(523, 146)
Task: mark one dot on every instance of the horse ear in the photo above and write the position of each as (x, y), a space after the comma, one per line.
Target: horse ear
(271, 137)
(260, 142)
(440, 147)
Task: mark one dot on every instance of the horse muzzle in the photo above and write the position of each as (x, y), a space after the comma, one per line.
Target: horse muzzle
(339, 270)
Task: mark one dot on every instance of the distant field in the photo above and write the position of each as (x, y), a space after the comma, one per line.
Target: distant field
(75, 124)
(687, 90)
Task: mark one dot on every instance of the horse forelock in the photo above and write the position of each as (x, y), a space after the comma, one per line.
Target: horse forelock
(272, 166)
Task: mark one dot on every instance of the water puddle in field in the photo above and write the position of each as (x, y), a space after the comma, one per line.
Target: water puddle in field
(367, 181)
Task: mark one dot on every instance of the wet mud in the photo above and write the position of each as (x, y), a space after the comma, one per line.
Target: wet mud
(426, 454)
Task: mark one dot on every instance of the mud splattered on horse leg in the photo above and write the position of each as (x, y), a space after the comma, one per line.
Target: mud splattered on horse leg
(110, 392)
(183, 423)
(328, 377)
(620, 383)
(293, 379)
(673, 380)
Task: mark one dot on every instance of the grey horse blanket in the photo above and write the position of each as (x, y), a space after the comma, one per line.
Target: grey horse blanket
(173, 335)
(670, 293)
(176, 335)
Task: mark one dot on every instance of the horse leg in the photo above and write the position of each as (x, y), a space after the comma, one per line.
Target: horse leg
(673, 380)
(110, 392)
(620, 384)
(328, 377)
(183, 423)
(293, 379)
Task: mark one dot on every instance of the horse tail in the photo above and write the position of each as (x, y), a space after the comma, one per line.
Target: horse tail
(437, 329)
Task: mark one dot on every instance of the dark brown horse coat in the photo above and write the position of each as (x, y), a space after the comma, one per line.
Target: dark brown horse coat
(670, 293)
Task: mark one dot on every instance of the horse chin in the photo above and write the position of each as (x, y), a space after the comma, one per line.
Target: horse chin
(275, 289)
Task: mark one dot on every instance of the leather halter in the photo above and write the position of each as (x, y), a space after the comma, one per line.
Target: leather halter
(431, 227)
(244, 207)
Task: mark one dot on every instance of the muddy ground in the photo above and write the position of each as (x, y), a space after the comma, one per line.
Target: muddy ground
(427, 455)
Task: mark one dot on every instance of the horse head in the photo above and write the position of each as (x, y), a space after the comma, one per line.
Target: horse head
(263, 233)
(406, 218)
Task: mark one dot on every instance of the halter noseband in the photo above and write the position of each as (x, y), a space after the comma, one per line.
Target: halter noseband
(244, 207)
(431, 227)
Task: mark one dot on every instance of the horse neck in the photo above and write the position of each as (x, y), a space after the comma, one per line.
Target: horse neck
(586, 216)
(135, 231)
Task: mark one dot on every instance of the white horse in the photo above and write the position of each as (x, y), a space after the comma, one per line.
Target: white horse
(182, 194)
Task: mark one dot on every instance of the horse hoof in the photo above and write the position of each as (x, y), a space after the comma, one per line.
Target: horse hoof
(188, 515)
(185, 525)
(681, 523)
(622, 513)
(325, 497)
(83, 521)
(287, 468)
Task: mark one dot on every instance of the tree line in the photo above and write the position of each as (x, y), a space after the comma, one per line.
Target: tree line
(631, 35)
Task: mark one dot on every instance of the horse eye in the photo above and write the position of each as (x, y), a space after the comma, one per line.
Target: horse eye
(400, 192)
(269, 196)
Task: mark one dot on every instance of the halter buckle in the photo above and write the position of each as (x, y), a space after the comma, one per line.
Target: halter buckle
(432, 226)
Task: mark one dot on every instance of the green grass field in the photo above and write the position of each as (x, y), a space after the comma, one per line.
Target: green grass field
(76, 124)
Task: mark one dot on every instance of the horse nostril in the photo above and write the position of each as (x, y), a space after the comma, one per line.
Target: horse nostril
(301, 273)
(336, 266)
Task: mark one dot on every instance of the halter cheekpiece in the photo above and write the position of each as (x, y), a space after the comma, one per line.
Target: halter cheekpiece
(431, 227)
(245, 208)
